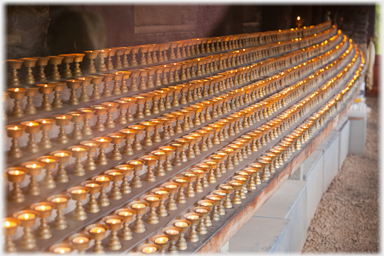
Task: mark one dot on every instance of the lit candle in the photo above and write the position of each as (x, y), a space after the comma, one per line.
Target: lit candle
(161, 192)
(34, 166)
(26, 216)
(32, 124)
(192, 217)
(47, 160)
(62, 154)
(96, 230)
(78, 149)
(206, 204)
(149, 249)
(152, 198)
(114, 173)
(201, 210)
(102, 178)
(180, 180)
(113, 221)
(125, 213)
(80, 240)
(9, 224)
(123, 167)
(90, 144)
(62, 250)
(172, 232)
(171, 186)
(92, 185)
(59, 199)
(243, 173)
(79, 191)
(43, 208)
(161, 240)
(181, 224)
(138, 206)
(15, 128)
(15, 172)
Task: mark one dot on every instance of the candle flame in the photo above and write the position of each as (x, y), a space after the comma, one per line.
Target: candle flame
(26, 216)
(43, 207)
(7, 224)
(298, 17)
(98, 231)
(17, 172)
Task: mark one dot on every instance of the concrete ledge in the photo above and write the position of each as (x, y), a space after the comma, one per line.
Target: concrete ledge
(358, 128)
(265, 233)
(330, 147)
(344, 142)
(279, 225)
(313, 169)
(289, 202)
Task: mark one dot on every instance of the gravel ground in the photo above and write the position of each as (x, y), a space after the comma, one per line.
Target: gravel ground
(347, 217)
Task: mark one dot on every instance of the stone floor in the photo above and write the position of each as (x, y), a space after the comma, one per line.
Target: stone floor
(347, 218)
